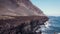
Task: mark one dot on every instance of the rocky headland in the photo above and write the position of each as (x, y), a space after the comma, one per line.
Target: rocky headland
(20, 17)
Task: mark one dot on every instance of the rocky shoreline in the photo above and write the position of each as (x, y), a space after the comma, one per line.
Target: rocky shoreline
(20, 17)
(21, 25)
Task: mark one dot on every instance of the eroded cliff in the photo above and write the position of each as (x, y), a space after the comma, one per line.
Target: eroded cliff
(20, 17)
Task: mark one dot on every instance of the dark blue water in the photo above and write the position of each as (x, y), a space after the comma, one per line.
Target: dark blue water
(52, 26)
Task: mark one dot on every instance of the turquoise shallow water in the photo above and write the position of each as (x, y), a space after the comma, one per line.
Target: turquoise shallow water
(52, 26)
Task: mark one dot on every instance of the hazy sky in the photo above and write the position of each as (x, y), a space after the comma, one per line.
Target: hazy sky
(49, 7)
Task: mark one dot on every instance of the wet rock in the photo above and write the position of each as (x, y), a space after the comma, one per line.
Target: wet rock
(21, 25)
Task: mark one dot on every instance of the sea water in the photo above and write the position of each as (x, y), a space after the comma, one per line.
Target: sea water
(52, 26)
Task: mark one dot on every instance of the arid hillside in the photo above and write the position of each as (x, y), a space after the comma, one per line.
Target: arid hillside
(20, 17)
(19, 8)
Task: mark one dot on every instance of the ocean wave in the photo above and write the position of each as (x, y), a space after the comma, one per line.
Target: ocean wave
(51, 26)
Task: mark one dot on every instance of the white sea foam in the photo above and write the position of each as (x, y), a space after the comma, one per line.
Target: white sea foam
(47, 24)
(58, 33)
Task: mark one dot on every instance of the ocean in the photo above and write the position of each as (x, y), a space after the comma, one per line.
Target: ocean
(52, 26)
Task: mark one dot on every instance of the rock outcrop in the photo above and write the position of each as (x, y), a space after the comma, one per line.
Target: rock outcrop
(20, 17)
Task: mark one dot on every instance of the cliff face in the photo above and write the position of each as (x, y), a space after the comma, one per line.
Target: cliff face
(20, 17)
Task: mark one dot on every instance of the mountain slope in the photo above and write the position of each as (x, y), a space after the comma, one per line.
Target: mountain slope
(20, 17)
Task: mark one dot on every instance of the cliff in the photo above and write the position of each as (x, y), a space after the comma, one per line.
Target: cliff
(20, 17)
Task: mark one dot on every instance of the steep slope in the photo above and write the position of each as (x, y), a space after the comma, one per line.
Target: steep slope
(18, 8)
(20, 17)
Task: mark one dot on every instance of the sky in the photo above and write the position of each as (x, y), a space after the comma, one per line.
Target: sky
(49, 7)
